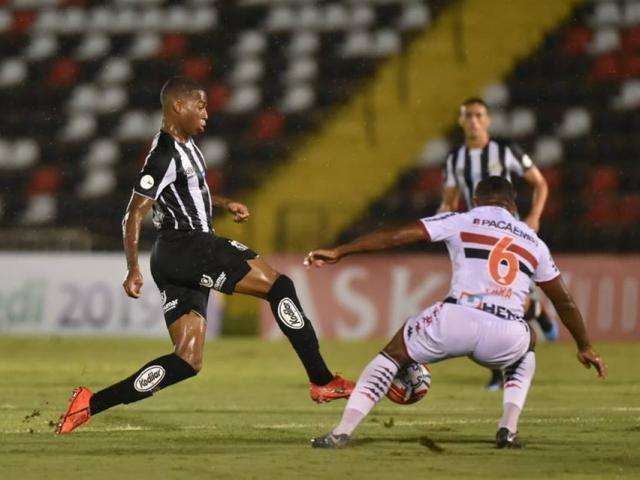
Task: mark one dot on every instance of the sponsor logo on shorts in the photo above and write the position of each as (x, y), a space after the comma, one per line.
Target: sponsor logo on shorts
(206, 281)
(167, 307)
(163, 297)
(149, 378)
(238, 245)
(147, 182)
(220, 281)
(289, 314)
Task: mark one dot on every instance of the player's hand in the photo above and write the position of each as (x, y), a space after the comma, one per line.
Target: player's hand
(240, 212)
(133, 283)
(588, 357)
(534, 223)
(318, 258)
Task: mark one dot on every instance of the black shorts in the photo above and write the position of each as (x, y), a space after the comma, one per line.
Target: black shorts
(187, 264)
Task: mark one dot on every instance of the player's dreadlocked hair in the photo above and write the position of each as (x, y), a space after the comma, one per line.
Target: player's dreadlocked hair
(177, 86)
(495, 188)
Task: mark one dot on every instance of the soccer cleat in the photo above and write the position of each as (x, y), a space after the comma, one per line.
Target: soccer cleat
(495, 382)
(331, 441)
(337, 388)
(77, 412)
(506, 439)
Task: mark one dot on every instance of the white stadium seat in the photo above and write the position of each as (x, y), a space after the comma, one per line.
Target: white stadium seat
(12, 72)
(605, 40)
(93, 46)
(496, 95)
(336, 17)
(5, 20)
(414, 17)
(244, 99)
(79, 127)
(247, 71)
(280, 18)
(41, 46)
(548, 151)
(607, 13)
(145, 45)
(301, 70)
(98, 182)
(84, 98)
(358, 44)
(102, 152)
(523, 122)
(40, 209)
(434, 152)
(115, 70)
(250, 43)
(297, 99)
(303, 43)
(387, 42)
(629, 96)
(215, 151)
(25, 153)
(575, 123)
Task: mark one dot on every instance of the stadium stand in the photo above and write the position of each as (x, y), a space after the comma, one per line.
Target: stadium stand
(579, 126)
(79, 82)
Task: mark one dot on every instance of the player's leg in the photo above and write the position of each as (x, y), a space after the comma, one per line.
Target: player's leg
(187, 329)
(263, 281)
(511, 344)
(414, 342)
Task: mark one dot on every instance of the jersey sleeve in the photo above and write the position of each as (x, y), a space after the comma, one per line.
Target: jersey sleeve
(516, 160)
(159, 170)
(546, 269)
(441, 227)
(448, 175)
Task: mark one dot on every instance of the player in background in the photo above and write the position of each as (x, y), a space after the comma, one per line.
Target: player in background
(188, 259)
(494, 257)
(478, 158)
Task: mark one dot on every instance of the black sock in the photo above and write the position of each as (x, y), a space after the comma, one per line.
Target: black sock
(297, 327)
(154, 376)
(537, 313)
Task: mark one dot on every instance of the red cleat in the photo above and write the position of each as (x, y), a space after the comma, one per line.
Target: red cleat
(78, 411)
(337, 388)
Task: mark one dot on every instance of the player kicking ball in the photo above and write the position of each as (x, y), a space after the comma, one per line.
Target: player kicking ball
(494, 259)
(188, 259)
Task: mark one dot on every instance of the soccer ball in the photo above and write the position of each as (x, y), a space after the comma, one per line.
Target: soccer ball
(410, 384)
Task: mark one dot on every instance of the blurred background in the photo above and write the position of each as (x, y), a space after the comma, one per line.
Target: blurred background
(327, 118)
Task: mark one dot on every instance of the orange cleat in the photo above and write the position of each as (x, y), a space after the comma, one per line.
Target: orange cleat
(337, 388)
(78, 411)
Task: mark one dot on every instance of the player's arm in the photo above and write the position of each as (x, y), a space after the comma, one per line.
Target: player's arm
(382, 239)
(534, 177)
(570, 316)
(137, 209)
(240, 211)
(450, 199)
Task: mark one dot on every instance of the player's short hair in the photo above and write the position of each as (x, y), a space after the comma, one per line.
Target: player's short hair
(495, 187)
(475, 101)
(178, 87)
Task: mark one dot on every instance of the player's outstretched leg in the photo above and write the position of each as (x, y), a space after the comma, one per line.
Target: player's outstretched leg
(371, 387)
(518, 377)
(187, 334)
(264, 282)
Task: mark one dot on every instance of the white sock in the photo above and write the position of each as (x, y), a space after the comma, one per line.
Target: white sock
(372, 385)
(517, 380)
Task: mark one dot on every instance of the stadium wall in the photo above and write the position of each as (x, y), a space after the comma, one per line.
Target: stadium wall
(371, 296)
(79, 294)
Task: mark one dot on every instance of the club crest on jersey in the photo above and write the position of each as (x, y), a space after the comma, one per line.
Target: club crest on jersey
(149, 378)
(189, 171)
(147, 182)
(206, 281)
(289, 314)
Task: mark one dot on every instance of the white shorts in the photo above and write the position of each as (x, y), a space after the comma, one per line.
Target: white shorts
(446, 330)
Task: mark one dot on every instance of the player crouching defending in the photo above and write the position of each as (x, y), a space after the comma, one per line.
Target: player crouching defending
(494, 258)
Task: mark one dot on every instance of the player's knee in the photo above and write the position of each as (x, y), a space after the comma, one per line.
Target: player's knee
(191, 356)
(397, 350)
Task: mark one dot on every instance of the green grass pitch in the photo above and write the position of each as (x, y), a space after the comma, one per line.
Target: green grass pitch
(248, 415)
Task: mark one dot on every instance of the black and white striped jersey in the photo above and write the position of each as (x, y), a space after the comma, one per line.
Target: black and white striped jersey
(465, 167)
(174, 174)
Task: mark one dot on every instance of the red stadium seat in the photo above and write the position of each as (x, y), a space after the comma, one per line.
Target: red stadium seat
(63, 73)
(198, 68)
(173, 45)
(268, 125)
(45, 180)
(603, 179)
(577, 40)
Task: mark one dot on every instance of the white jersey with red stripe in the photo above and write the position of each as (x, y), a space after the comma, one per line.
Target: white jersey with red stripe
(494, 257)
